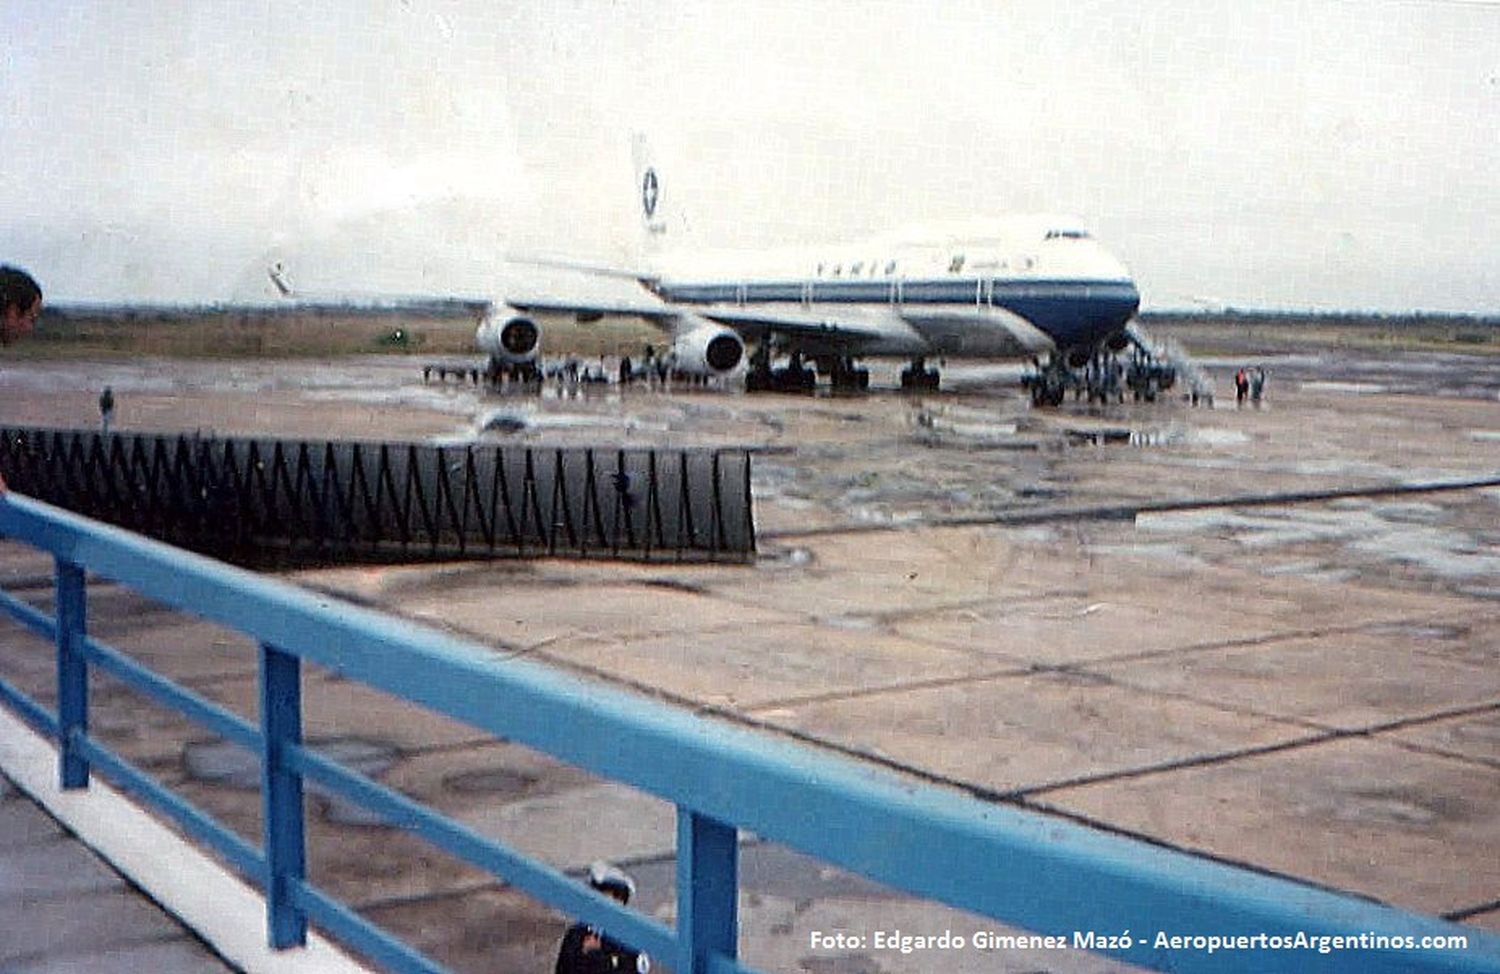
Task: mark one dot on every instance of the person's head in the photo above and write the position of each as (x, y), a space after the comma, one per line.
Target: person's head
(20, 301)
(611, 881)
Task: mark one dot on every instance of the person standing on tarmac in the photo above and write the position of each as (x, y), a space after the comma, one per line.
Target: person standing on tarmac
(106, 410)
(20, 303)
(585, 949)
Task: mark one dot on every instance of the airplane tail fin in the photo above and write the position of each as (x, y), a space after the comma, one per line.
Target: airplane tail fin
(644, 251)
(277, 273)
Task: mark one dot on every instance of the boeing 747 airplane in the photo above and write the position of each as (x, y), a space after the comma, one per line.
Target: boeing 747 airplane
(1013, 288)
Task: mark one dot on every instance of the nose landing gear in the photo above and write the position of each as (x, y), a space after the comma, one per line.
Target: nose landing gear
(1049, 384)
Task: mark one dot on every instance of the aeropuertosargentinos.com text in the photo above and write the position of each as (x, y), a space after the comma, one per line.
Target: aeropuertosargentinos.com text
(901, 942)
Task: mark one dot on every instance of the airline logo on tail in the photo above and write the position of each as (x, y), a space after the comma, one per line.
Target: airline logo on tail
(648, 184)
(650, 190)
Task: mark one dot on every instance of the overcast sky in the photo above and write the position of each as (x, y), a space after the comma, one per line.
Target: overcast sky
(1318, 154)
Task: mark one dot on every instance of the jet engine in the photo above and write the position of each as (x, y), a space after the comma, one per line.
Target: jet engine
(703, 348)
(508, 338)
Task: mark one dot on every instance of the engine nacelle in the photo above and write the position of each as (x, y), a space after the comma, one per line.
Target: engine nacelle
(704, 348)
(508, 337)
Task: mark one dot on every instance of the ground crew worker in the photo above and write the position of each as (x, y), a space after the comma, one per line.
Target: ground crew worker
(1241, 386)
(106, 409)
(585, 949)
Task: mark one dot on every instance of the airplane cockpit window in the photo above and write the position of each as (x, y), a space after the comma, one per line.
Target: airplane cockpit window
(855, 268)
(890, 267)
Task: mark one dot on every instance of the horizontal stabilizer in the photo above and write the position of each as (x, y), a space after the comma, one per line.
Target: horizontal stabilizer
(582, 266)
(644, 306)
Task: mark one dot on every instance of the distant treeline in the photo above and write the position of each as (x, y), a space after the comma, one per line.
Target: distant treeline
(300, 328)
(1322, 319)
(446, 326)
(430, 307)
(293, 328)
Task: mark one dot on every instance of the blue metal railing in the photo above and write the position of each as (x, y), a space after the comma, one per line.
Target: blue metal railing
(1018, 867)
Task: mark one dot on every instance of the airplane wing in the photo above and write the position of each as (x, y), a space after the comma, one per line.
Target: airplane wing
(637, 301)
(646, 305)
(846, 330)
(851, 330)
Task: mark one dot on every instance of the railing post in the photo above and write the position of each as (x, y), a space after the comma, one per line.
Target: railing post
(72, 674)
(707, 891)
(281, 788)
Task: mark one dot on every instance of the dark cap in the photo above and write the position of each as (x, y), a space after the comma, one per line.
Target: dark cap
(608, 878)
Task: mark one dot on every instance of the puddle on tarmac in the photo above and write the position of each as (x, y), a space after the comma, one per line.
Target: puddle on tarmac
(1398, 806)
(1159, 437)
(848, 622)
(784, 558)
(1418, 630)
(502, 782)
(1476, 732)
(232, 766)
(1352, 388)
(512, 421)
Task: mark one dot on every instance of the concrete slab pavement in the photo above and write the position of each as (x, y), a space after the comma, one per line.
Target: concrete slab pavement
(64, 909)
(1304, 688)
(1410, 828)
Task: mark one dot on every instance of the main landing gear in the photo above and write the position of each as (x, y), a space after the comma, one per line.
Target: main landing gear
(1149, 374)
(844, 375)
(498, 374)
(1050, 383)
(1100, 376)
(793, 377)
(918, 377)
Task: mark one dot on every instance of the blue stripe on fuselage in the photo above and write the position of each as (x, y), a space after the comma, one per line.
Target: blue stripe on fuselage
(1073, 313)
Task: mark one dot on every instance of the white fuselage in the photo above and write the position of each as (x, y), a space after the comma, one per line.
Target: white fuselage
(1017, 287)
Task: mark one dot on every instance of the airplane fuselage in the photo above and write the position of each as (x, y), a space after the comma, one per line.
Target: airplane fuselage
(1034, 288)
(1023, 287)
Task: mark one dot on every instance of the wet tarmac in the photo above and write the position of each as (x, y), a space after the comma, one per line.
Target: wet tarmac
(1310, 688)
